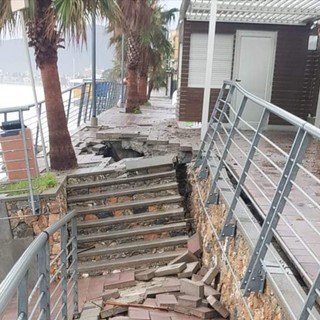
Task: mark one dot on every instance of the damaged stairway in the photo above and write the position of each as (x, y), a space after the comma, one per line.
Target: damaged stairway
(129, 217)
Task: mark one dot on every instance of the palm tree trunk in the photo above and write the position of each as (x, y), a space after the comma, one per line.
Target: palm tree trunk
(150, 88)
(62, 156)
(142, 88)
(132, 93)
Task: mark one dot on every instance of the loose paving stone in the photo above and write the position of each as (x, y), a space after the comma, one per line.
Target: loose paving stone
(166, 300)
(159, 316)
(217, 305)
(138, 313)
(195, 244)
(152, 292)
(119, 318)
(150, 302)
(203, 312)
(109, 294)
(210, 275)
(189, 301)
(184, 257)
(110, 310)
(192, 288)
(170, 269)
(90, 312)
(145, 275)
(120, 280)
(192, 267)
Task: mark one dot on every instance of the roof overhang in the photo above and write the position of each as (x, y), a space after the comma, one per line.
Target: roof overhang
(286, 12)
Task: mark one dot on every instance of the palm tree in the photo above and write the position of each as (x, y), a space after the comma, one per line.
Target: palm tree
(47, 22)
(156, 50)
(137, 17)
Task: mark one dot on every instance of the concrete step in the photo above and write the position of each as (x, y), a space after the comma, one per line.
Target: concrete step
(136, 246)
(130, 204)
(135, 261)
(176, 213)
(124, 192)
(121, 180)
(121, 234)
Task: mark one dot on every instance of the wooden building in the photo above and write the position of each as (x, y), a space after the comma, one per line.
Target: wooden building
(270, 46)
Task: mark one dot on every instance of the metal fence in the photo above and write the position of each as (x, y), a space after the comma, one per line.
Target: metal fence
(276, 174)
(21, 146)
(55, 292)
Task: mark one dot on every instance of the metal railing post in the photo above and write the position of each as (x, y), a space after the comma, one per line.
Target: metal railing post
(64, 276)
(44, 269)
(204, 170)
(228, 229)
(26, 159)
(254, 278)
(23, 298)
(203, 150)
(75, 265)
(83, 93)
(212, 198)
(69, 104)
(311, 299)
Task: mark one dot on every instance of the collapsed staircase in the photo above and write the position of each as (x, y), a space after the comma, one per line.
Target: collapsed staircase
(129, 218)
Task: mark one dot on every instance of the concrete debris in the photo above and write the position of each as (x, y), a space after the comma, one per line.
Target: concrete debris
(179, 291)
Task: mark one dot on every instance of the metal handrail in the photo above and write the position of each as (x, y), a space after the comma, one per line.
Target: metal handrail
(270, 179)
(18, 273)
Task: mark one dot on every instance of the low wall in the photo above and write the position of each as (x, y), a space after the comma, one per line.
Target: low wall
(232, 255)
(24, 226)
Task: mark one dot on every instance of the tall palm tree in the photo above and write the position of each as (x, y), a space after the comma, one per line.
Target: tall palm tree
(48, 21)
(137, 17)
(156, 49)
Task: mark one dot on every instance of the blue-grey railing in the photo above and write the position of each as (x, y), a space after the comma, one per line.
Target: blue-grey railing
(273, 176)
(55, 292)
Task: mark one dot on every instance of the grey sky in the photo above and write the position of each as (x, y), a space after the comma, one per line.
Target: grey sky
(168, 4)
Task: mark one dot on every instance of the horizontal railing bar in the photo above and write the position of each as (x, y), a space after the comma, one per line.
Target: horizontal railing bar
(16, 274)
(281, 113)
(317, 205)
(59, 312)
(41, 314)
(70, 241)
(55, 258)
(35, 288)
(70, 253)
(56, 303)
(34, 309)
(272, 144)
(56, 288)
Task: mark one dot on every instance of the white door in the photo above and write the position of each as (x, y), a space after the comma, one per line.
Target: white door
(254, 66)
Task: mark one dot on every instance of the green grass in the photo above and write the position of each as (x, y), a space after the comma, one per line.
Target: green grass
(40, 184)
(147, 104)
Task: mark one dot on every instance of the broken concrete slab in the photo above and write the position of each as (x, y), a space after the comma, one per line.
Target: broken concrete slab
(210, 275)
(184, 257)
(151, 302)
(145, 275)
(189, 301)
(196, 277)
(192, 288)
(109, 294)
(110, 310)
(150, 162)
(170, 270)
(195, 244)
(120, 280)
(182, 309)
(192, 268)
(202, 272)
(166, 300)
(153, 291)
(217, 305)
(209, 291)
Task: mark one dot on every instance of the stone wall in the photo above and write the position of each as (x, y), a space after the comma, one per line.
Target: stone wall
(232, 256)
(52, 206)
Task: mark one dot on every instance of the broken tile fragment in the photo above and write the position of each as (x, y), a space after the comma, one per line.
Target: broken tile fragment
(192, 267)
(170, 269)
(184, 257)
(192, 288)
(189, 301)
(217, 305)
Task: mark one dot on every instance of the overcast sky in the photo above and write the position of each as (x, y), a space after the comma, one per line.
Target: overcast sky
(168, 4)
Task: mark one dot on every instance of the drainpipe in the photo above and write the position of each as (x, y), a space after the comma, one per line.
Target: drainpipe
(94, 119)
(207, 86)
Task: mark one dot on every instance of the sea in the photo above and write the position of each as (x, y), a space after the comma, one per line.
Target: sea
(17, 95)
